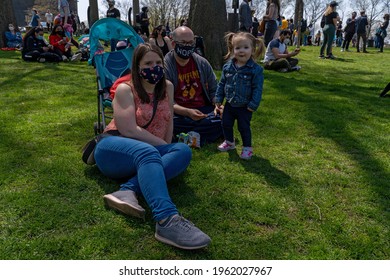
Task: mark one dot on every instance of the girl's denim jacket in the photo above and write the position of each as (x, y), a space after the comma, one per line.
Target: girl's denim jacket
(243, 86)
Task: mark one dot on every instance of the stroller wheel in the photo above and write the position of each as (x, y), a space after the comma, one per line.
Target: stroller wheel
(98, 128)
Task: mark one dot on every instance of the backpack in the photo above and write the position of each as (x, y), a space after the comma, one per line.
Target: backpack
(138, 18)
(323, 21)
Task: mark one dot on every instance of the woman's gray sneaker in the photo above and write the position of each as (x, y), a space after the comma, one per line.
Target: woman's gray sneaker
(125, 202)
(181, 233)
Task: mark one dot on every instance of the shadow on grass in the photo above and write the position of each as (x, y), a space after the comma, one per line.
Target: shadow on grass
(332, 123)
(262, 167)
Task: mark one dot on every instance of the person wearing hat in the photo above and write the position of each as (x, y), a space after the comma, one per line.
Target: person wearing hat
(361, 31)
(331, 19)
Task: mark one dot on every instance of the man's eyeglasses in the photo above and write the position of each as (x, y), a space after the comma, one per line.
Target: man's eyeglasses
(184, 43)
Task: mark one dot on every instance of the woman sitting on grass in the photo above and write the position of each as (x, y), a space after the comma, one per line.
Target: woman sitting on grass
(160, 39)
(61, 44)
(13, 37)
(35, 48)
(143, 152)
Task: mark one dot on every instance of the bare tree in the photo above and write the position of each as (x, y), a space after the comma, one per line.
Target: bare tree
(374, 9)
(7, 16)
(136, 9)
(314, 9)
(159, 11)
(209, 19)
(387, 6)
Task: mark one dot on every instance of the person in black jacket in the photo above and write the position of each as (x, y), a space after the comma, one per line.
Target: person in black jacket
(145, 21)
(35, 48)
(383, 32)
(361, 32)
(349, 30)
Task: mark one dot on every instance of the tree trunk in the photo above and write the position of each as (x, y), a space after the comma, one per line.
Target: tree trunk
(136, 10)
(298, 19)
(209, 20)
(7, 16)
(93, 12)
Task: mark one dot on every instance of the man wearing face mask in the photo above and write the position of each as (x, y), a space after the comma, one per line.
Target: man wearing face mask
(195, 85)
(278, 58)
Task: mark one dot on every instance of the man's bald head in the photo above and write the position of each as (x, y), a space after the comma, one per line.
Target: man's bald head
(182, 33)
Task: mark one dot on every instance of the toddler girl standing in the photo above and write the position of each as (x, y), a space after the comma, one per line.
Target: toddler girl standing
(241, 85)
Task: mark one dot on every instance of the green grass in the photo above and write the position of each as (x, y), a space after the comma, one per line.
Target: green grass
(318, 187)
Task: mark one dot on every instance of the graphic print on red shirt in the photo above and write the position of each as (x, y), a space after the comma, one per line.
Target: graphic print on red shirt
(189, 92)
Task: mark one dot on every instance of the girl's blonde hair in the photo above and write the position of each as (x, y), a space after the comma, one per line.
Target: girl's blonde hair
(257, 44)
(329, 10)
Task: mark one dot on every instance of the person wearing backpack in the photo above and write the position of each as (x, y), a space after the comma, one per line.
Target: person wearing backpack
(349, 30)
(331, 17)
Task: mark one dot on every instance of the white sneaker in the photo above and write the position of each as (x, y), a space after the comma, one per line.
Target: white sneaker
(341, 50)
(64, 58)
(247, 153)
(226, 146)
(76, 57)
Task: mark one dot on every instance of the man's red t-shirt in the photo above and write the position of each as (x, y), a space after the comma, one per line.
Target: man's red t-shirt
(189, 92)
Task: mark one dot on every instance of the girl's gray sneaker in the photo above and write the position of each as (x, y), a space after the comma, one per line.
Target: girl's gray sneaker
(181, 233)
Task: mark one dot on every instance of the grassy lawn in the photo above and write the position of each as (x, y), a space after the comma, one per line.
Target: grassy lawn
(317, 188)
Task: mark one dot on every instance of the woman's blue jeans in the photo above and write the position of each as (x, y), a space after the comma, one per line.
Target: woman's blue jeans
(328, 31)
(148, 167)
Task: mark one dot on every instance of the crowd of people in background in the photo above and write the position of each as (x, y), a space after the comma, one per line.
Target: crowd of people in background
(171, 77)
(331, 34)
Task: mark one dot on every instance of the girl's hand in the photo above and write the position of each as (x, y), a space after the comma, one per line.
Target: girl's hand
(218, 110)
